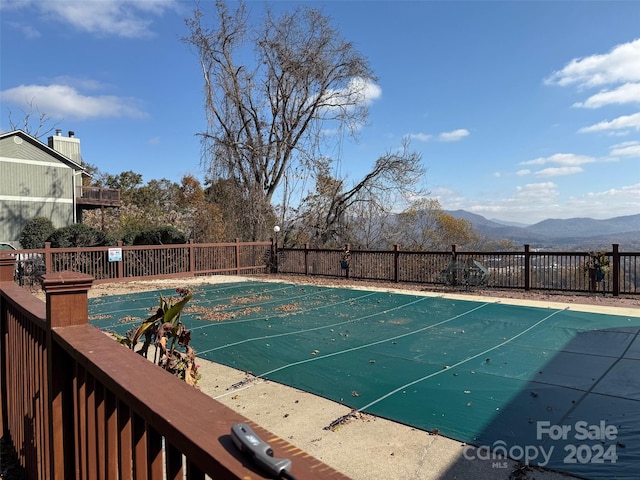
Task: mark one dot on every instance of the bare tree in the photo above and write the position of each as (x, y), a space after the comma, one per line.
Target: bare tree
(330, 214)
(370, 224)
(416, 223)
(264, 117)
(33, 122)
(425, 226)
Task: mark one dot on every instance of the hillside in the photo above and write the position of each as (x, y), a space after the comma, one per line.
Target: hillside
(572, 233)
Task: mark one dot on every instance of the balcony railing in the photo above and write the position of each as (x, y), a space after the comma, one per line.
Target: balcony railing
(98, 197)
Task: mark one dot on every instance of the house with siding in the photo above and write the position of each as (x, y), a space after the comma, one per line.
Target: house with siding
(44, 180)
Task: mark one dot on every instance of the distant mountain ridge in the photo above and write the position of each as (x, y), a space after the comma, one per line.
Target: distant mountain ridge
(571, 232)
(509, 224)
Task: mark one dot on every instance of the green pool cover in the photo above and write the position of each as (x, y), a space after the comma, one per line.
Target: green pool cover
(554, 388)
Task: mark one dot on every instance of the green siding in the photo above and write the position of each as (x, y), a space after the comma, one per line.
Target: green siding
(25, 151)
(14, 215)
(33, 183)
(28, 180)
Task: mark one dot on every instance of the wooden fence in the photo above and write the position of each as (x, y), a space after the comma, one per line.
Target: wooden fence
(125, 263)
(525, 270)
(77, 405)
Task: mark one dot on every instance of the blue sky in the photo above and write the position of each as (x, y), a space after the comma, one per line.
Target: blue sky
(521, 110)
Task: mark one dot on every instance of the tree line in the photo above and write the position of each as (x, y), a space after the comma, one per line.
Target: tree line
(214, 213)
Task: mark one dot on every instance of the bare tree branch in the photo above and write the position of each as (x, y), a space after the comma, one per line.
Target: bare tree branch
(38, 128)
(329, 212)
(266, 117)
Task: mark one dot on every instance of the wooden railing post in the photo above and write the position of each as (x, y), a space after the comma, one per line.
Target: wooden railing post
(7, 267)
(47, 257)
(616, 269)
(67, 305)
(120, 266)
(192, 257)
(396, 263)
(67, 299)
(306, 259)
(527, 267)
(238, 256)
(454, 256)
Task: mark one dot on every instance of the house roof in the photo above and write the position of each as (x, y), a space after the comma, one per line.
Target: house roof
(44, 147)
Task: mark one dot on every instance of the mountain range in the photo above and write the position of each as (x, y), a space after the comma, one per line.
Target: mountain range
(571, 234)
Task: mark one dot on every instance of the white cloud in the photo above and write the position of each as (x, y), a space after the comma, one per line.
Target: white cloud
(627, 93)
(122, 18)
(367, 91)
(62, 101)
(624, 122)
(630, 193)
(620, 65)
(569, 164)
(359, 91)
(534, 202)
(558, 171)
(627, 149)
(78, 83)
(531, 191)
(528, 203)
(420, 137)
(454, 135)
(564, 159)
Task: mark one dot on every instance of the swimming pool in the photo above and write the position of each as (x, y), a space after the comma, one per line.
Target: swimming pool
(554, 386)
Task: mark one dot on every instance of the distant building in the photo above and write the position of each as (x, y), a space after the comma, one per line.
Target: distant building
(38, 180)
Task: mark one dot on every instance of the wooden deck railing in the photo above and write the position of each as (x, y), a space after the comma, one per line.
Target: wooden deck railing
(98, 196)
(131, 262)
(77, 405)
(526, 269)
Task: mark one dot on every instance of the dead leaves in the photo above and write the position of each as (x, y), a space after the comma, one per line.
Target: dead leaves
(290, 307)
(215, 314)
(345, 419)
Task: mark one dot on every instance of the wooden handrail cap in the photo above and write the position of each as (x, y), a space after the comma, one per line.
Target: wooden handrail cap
(66, 281)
